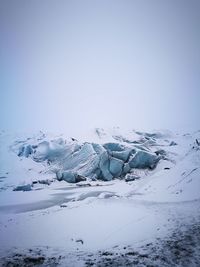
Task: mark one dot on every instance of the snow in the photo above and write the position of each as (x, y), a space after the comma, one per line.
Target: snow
(115, 190)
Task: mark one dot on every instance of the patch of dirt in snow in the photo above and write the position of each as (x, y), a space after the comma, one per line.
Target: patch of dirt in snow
(181, 249)
(29, 258)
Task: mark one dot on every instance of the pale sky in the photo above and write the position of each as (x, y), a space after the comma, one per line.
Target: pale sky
(73, 65)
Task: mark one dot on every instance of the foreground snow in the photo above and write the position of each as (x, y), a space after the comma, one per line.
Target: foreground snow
(94, 221)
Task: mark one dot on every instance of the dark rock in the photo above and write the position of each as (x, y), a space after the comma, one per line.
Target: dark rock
(131, 177)
(132, 253)
(173, 143)
(161, 152)
(107, 253)
(80, 178)
(63, 206)
(26, 187)
(34, 260)
(80, 241)
(83, 185)
(46, 182)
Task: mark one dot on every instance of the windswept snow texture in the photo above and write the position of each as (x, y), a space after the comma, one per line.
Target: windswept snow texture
(71, 160)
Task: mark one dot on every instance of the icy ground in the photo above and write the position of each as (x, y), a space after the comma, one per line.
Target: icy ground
(112, 198)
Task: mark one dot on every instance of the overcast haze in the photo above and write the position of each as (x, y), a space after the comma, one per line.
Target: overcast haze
(82, 64)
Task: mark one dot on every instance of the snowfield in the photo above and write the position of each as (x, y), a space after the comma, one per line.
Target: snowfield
(110, 198)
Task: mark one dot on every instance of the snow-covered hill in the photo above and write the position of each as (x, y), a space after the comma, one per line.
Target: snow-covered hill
(108, 189)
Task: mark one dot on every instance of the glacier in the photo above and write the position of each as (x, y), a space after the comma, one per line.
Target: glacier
(74, 161)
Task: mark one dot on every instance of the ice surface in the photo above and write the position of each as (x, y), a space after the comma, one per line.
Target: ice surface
(123, 155)
(142, 159)
(104, 166)
(116, 166)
